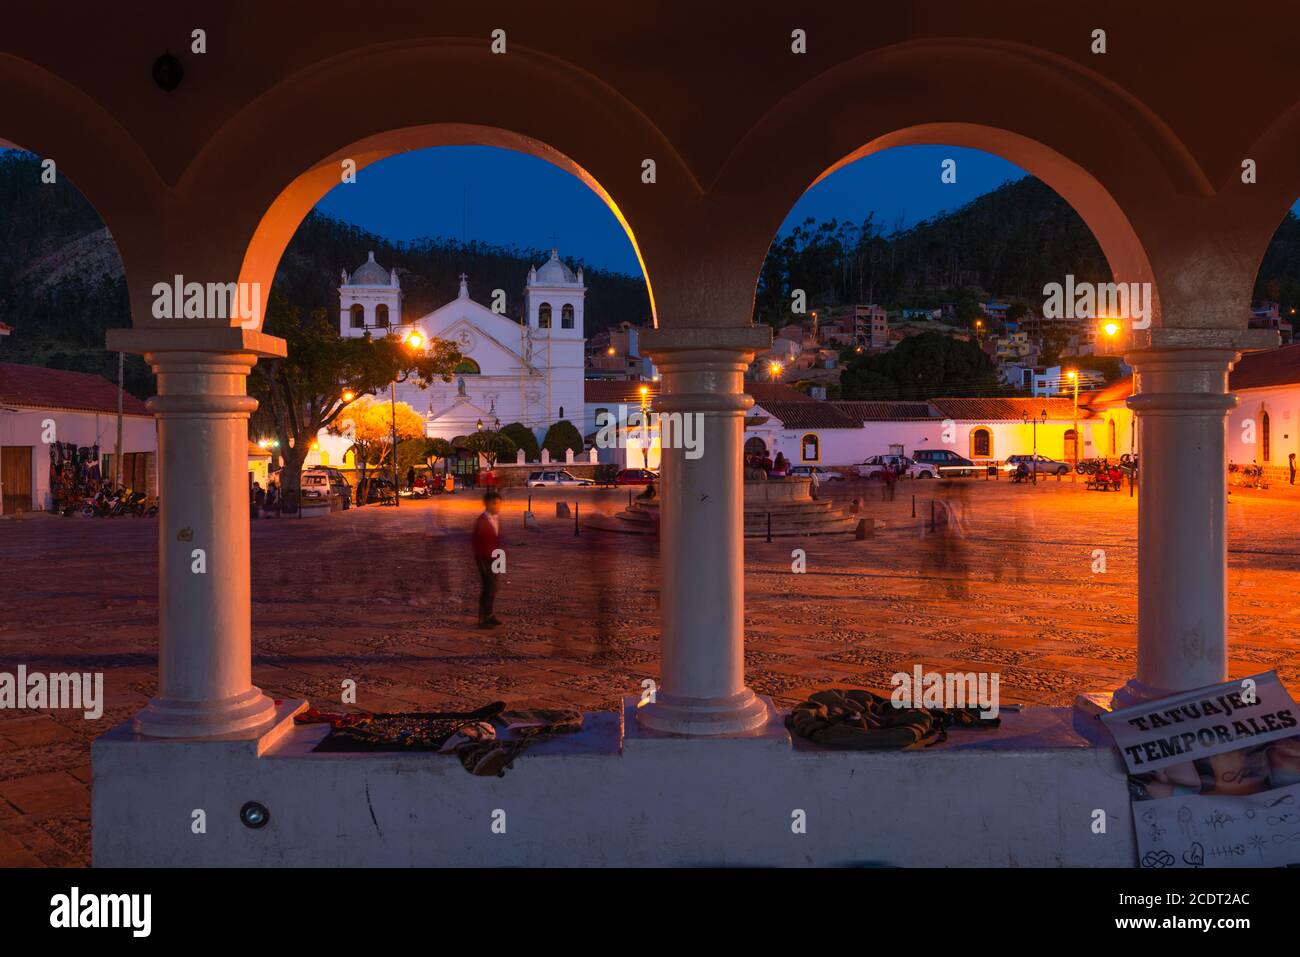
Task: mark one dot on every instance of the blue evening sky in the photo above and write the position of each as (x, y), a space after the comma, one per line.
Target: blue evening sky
(500, 196)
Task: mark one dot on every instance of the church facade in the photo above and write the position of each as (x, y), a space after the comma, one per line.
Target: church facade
(530, 372)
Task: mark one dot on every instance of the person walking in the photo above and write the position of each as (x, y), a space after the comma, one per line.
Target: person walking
(410, 479)
(1290, 461)
(486, 540)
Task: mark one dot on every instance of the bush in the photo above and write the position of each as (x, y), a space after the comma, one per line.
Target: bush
(524, 439)
(561, 436)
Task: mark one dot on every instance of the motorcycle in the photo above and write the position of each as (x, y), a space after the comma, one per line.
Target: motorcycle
(102, 504)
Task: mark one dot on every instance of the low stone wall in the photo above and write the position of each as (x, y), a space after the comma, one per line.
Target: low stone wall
(615, 794)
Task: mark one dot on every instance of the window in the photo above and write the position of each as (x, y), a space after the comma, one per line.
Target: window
(810, 448)
(981, 443)
(358, 314)
(544, 316)
(1114, 442)
(467, 366)
(381, 315)
(1264, 438)
(566, 317)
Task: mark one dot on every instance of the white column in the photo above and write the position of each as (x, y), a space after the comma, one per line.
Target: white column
(1181, 402)
(701, 536)
(205, 662)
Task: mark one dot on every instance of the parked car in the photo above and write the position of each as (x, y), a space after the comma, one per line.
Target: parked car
(320, 483)
(381, 490)
(555, 477)
(876, 465)
(635, 477)
(940, 463)
(823, 474)
(1035, 463)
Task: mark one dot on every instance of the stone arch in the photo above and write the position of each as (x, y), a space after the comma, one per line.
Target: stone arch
(1057, 120)
(529, 102)
(981, 442)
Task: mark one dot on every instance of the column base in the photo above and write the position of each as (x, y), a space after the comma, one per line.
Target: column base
(739, 714)
(204, 719)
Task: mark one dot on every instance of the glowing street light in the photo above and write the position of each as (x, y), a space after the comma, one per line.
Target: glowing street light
(415, 340)
(348, 395)
(1073, 376)
(1111, 328)
(774, 369)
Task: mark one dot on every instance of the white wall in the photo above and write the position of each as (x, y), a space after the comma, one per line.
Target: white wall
(842, 447)
(27, 427)
(1283, 407)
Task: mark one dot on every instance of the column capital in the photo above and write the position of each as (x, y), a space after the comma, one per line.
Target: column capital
(1169, 338)
(197, 339)
(742, 339)
(703, 370)
(1182, 381)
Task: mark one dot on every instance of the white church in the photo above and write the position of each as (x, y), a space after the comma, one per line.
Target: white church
(530, 372)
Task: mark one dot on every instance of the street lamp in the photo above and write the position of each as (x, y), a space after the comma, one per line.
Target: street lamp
(774, 369)
(1073, 376)
(645, 426)
(1041, 417)
(413, 340)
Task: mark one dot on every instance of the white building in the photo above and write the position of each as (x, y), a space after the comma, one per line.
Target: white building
(1263, 427)
(530, 372)
(40, 407)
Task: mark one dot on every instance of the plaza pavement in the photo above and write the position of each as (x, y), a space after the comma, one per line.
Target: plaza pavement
(387, 597)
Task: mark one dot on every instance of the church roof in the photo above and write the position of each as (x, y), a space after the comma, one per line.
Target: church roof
(370, 273)
(554, 272)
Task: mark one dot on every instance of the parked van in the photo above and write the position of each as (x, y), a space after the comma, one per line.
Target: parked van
(320, 483)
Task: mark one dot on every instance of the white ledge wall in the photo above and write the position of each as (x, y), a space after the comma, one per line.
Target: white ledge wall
(983, 799)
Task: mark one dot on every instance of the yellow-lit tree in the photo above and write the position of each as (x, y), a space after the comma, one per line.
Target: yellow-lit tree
(369, 424)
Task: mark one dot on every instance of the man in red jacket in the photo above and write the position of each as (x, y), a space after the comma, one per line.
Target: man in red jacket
(486, 540)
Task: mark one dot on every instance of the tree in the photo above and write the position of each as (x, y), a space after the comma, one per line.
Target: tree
(490, 445)
(304, 392)
(524, 439)
(921, 367)
(560, 436)
(369, 424)
(438, 449)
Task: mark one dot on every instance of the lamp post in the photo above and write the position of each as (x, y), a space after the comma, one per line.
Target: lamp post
(414, 340)
(1073, 376)
(645, 427)
(1041, 417)
(774, 370)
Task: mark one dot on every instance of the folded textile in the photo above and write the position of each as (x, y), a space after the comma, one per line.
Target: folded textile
(471, 735)
(860, 720)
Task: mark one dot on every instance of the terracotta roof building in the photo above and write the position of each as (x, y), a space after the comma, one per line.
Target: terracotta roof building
(35, 387)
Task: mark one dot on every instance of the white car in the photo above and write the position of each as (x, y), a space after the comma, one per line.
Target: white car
(875, 466)
(321, 483)
(823, 474)
(555, 477)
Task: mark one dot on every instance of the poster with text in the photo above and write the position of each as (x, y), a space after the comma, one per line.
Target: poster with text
(1214, 775)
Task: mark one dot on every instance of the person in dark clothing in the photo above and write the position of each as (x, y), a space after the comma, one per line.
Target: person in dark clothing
(410, 478)
(1290, 461)
(486, 540)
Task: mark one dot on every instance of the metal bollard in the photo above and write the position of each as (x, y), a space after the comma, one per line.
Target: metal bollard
(576, 508)
(769, 528)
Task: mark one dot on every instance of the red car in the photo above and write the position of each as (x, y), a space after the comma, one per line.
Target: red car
(635, 477)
